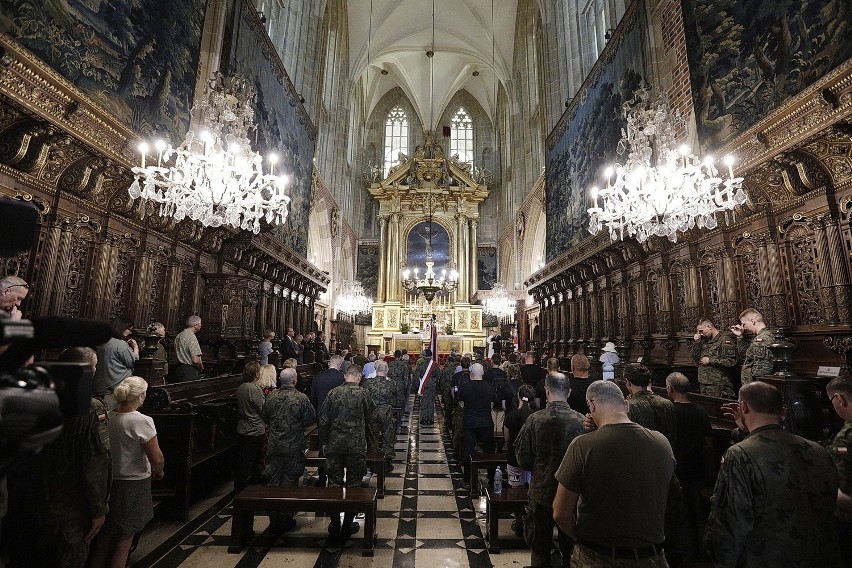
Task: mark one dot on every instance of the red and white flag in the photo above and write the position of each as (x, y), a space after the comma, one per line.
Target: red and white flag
(433, 364)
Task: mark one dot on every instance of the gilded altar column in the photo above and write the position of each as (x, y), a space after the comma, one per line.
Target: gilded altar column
(473, 265)
(392, 266)
(384, 255)
(840, 269)
(462, 293)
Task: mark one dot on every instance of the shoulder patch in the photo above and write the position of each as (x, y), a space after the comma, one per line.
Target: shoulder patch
(843, 450)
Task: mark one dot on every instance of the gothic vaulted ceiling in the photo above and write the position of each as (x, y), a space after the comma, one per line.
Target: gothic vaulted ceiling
(401, 34)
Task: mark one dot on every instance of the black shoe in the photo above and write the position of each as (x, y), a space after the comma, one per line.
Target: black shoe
(346, 532)
(388, 467)
(518, 527)
(287, 525)
(334, 530)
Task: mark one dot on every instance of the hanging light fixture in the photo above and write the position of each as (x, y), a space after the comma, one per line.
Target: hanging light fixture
(498, 303)
(661, 189)
(352, 299)
(215, 177)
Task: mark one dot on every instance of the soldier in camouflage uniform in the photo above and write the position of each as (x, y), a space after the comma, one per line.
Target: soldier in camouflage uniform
(646, 408)
(400, 372)
(427, 399)
(288, 413)
(774, 500)
(346, 434)
(69, 481)
(756, 356)
(445, 387)
(458, 412)
(715, 352)
(540, 448)
(840, 392)
(384, 394)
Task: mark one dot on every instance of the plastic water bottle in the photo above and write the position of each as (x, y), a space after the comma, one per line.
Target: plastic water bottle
(498, 481)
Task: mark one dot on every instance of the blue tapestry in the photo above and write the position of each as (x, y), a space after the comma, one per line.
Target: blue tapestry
(368, 268)
(746, 57)
(584, 142)
(283, 127)
(487, 267)
(133, 57)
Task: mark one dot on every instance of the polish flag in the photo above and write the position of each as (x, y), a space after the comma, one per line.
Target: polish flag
(433, 364)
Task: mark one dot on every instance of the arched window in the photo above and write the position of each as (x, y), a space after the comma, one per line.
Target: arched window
(396, 136)
(461, 141)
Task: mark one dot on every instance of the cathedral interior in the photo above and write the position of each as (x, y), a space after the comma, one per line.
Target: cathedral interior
(381, 172)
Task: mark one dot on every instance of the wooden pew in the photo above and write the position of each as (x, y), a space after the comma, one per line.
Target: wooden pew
(479, 461)
(511, 500)
(375, 461)
(196, 429)
(301, 499)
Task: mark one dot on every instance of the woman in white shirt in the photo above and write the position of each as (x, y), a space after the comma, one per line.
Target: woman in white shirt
(136, 459)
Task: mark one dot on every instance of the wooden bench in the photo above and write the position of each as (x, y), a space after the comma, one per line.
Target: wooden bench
(299, 499)
(375, 461)
(479, 461)
(511, 500)
(196, 429)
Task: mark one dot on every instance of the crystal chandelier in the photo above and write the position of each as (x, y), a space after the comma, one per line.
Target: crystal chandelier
(215, 177)
(498, 303)
(352, 299)
(662, 188)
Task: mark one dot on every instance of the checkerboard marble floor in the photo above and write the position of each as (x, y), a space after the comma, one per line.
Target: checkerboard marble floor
(426, 519)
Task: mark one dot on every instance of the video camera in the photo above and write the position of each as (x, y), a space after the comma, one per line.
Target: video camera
(35, 400)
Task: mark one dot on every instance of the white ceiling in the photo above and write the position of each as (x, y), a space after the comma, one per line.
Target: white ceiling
(401, 35)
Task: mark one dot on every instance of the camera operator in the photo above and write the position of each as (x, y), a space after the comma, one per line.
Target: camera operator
(63, 491)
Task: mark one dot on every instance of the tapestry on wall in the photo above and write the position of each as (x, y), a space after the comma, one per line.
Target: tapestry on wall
(367, 271)
(746, 57)
(132, 57)
(283, 127)
(487, 267)
(583, 143)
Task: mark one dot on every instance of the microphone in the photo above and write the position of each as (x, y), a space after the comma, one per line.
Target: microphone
(49, 332)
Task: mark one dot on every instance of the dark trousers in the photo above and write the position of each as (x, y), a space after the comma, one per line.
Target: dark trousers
(844, 538)
(480, 435)
(538, 533)
(247, 454)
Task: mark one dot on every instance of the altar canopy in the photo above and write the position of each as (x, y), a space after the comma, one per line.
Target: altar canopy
(427, 185)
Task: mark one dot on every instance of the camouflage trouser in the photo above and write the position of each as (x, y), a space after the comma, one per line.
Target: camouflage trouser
(283, 470)
(458, 434)
(427, 405)
(447, 407)
(720, 391)
(354, 464)
(538, 534)
(386, 431)
(583, 557)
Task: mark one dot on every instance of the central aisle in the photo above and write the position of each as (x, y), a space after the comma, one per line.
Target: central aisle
(426, 519)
